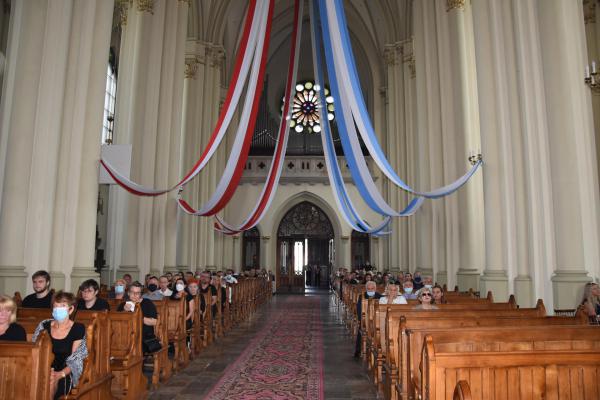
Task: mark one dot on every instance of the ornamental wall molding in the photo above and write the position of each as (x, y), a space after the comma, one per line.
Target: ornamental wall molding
(145, 6)
(455, 5)
(123, 9)
(191, 67)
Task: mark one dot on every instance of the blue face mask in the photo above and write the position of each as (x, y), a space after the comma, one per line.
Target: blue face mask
(60, 313)
(370, 293)
(408, 290)
(119, 289)
(428, 286)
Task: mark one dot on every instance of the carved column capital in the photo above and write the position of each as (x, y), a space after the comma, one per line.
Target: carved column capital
(455, 5)
(215, 55)
(392, 54)
(145, 5)
(191, 67)
(123, 9)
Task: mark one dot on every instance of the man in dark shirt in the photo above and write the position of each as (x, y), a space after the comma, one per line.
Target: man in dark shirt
(89, 299)
(148, 308)
(42, 296)
(205, 287)
(370, 293)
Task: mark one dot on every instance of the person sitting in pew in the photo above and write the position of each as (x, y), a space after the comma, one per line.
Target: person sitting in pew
(591, 300)
(393, 296)
(68, 344)
(180, 291)
(407, 287)
(153, 290)
(119, 291)
(89, 299)
(149, 311)
(370, 293)
(163, 286)
(428, 281)
(9, 329)
(128, 279)
(425, 300)
(42, 296)
(438, 294)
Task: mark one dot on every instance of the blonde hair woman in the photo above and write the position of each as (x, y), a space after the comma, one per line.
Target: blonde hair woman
(591, 299)
(9, 329)
(426, 301)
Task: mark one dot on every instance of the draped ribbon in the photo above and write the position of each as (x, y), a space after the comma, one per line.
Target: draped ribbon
(254, 28)
(349, 138)
(270, 187)
(336, 180)
(335, 21)
(243, 138)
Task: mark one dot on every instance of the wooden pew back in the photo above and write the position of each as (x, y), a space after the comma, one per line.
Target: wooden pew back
(25, 369)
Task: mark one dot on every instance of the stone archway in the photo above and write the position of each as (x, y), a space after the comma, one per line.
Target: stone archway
(305, 248)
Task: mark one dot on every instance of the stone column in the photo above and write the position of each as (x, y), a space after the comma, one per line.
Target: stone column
(204, 63)
(592, 33)
(573, 155)
(471, 227)
(38, 126)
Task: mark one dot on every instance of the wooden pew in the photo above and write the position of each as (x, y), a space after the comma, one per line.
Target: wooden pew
(126, 357)
(527, 335)
(382, 313)
(162, 366)
(25, 369)
(96, 378)
(534, 374)
(177, 332)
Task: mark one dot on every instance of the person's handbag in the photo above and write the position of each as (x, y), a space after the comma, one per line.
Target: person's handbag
(152, 344)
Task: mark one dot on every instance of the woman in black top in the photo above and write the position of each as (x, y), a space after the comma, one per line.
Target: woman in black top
(9, 329)
(89, 299)
(68, 345)
(179, 292)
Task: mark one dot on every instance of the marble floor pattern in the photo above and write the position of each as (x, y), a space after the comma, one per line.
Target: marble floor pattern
(345, 377)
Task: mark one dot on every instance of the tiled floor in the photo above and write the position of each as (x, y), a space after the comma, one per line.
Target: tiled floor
(345, 377)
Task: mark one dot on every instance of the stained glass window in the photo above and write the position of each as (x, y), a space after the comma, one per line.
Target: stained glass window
(305, 108)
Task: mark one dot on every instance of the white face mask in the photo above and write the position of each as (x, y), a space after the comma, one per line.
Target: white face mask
(179, 287)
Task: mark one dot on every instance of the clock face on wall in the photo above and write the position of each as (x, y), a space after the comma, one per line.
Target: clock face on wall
(305, 108)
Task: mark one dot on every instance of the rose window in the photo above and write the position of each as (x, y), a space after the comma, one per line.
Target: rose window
(305, 108)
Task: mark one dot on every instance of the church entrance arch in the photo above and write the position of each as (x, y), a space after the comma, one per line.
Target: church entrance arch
(305, 248)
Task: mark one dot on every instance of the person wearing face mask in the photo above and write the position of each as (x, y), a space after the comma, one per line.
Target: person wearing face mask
(370, 293)
(417, 281)
(68, 345)
(393, 296)
(153, 292)
(119, 290)
(408, 290)
(180, 292)
(428, 282)
(42, 296)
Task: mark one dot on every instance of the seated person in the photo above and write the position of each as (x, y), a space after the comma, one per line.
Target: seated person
(189, 301)
(148, 308)
(393, 296)
(42, 296)
(163, 286)
(153, 291)
(428, 281)
(206, 287)
(9, 329)
(591, 300)
(68, 345)
(426, 301)
(407, 287)
(89, 299)
(417, 281)
(438, 294)
(370, 293)
(119, 290)
(128, 279)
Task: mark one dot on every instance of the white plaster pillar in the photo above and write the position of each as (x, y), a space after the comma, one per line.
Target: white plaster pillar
(38, 126)
(572, 149)
(471, 227)
(592, 33)
(204, 63)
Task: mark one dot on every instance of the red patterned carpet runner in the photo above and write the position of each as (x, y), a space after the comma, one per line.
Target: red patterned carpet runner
(283, 361)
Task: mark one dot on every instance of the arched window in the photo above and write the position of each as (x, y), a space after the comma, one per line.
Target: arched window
(109, 101)
(360, 249)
